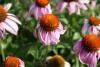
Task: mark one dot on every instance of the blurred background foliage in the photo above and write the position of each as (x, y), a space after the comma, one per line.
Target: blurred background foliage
(29, 49)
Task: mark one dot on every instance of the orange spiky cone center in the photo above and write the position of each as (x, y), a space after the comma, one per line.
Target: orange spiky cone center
(12, 62)
(49, 22)
(94, 21)
(91, 43)
(3, 14)
(42, 3)
(56, 61)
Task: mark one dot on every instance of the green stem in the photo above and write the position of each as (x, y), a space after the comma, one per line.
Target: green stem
(2, 52)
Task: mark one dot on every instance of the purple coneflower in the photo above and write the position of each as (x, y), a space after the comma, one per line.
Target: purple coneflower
(49, 29)
(8, 21)
(92, 25)
(13, 62)
(88, 50)
(73, 6)
(40, 8)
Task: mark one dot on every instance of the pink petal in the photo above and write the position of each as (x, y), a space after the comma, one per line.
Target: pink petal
(7, 6)
(13, 18)
(78, 47)
(88, 58)
(10, 26)
(48, 9)
(93, 30)
(54, 37)
(33, 11)
(35, 33)
(43, 36)
(21, 63)
(85, 27)
(93, 3)
(61, 6)
(60, 29)
(1, 26)
(1, 34)
(82, 6)
(72, 7)
(78, 11)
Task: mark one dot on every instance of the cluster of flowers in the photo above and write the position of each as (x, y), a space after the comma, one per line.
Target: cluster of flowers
(49, 29)
(8, 22)
(88, 48)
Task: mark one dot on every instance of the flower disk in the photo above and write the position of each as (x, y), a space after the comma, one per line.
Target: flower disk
(42, 3)
(49, 22)
(91, 43)
(94, 21)
(12, 62)
(3, 14)
(56, 61)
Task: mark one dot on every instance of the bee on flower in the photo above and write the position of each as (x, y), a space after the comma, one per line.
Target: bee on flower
(57, 61)
(49, 29)
(8, 21)
(88, 50)
(73, 6)
(13, 62)
(91, 26)
(40, 8)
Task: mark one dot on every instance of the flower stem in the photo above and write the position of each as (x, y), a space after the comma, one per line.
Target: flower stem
(2, 52)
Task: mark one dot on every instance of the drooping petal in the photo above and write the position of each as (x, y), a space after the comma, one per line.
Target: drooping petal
(60, 29)
(1, 34)
(77, 47)
(7, 6)
(61, 6)
(43, 36)
(13, 18)
(88, 58)
(54, 37)
(10, 26)
(72, 7)
(82, 6)
(35, 33)
(93, 30)
(78, 11)
(1, 26)
(37, 12)
(48, 9)
(93, 3)
(85, 26)
(21, 63)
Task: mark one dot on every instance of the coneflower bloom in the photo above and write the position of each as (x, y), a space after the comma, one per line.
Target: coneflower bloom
(13, 62)
(73, 6)
(49, 29)
(56, 60)
(8, 21)
(40, 8)
(91, 26)
(88, 49)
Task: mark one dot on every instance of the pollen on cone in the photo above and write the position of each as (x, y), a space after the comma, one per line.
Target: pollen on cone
(49, 22)
(91, 42)
(94, 21)
(3, 14)
(12, 62)
(42, 3)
